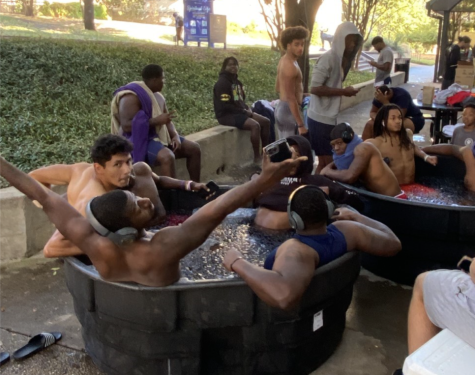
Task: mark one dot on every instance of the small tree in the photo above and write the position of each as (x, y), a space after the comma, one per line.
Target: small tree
(88, 15)
(273, 12)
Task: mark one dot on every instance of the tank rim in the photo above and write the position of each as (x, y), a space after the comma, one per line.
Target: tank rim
(367, 193)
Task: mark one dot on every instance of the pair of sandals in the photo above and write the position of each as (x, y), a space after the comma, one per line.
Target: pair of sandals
(36, 344)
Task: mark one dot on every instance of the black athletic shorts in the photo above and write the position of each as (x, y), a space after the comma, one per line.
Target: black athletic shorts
(320, 137)
(236, 120)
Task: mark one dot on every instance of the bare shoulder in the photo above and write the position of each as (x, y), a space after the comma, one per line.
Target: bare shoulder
(364, 148)
(374, 141)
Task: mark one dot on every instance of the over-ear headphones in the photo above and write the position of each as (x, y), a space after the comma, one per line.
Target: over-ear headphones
(347, 134)
(123, 236)
(295, 220)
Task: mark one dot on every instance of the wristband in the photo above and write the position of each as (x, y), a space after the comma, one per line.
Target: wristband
(425, 158)
(301, 126)
(188, 185)
(182, 185)
(234, 261)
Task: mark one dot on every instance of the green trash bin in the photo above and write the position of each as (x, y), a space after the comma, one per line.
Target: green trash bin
(402, 65)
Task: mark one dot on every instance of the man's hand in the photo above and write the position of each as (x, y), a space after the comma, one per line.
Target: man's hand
(326, 169)
(432, 160)
(197, 186)
(303, 131)
(176, 143)
(164, 118)
(380, 97)
(350, 91)
(343, 213)
(230, 257)
(274, 172)
(373, 63)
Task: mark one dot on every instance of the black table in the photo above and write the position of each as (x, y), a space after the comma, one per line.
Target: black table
(444, 115)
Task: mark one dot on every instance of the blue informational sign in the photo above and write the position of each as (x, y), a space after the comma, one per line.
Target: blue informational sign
(197, 20)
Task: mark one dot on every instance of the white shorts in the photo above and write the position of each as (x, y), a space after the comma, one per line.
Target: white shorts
(449, 299)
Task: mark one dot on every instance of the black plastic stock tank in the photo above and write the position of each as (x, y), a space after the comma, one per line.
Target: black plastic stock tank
(208, 326)
(433, 236)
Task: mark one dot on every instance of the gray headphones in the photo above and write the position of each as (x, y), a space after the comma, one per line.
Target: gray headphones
(295, 220)
(123, 236)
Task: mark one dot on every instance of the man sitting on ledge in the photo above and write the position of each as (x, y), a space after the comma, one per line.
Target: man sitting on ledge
(125, 255)
(139, 113)
(357, 160)
(466, 154)
(111, 169)
(289, 269)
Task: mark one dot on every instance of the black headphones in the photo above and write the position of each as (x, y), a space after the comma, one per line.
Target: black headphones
(123, 236)
(295, 220)
(347, 134)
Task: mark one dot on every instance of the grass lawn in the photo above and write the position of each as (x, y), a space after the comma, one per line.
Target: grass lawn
(55, 93)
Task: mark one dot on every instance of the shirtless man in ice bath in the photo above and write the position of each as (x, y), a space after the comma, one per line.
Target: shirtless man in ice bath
(395, 143)
(111, 169)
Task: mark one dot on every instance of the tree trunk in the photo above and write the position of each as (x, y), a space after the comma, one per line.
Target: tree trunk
(88, 15)
(302, 14)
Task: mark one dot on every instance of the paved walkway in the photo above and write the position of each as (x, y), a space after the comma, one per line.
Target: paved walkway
(34, 298)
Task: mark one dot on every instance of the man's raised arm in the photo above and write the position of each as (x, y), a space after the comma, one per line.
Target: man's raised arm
(66, 219)
(451, 150)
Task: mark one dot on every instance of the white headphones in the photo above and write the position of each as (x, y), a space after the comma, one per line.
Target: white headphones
(295, 220)
(123, 236)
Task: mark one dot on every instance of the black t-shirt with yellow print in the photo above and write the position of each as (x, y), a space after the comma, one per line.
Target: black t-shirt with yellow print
(228, 96)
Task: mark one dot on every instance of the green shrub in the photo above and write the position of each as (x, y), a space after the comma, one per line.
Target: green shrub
(70, 10)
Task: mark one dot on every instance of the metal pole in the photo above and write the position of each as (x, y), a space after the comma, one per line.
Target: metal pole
(437, 53)
(443, 47)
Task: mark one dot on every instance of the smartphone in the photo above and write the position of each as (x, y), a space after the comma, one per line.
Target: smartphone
(464, 264)
(278, 151)
(212, 193)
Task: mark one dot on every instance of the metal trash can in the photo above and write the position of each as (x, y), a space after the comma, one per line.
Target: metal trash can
(402, 65)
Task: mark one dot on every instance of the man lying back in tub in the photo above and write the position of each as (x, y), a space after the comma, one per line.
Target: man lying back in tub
(111, 169)
(289, 269)
(466, 154)
(355, 160)
(121, 254)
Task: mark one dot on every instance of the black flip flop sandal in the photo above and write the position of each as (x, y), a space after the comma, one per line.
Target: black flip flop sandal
(4, 358)
(36, 344)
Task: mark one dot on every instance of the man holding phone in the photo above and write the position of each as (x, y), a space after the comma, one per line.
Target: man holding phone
(140, 114)
(443, 299)
(327, 89)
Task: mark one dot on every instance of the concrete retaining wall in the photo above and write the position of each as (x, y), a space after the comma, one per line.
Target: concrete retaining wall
(25, 229)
